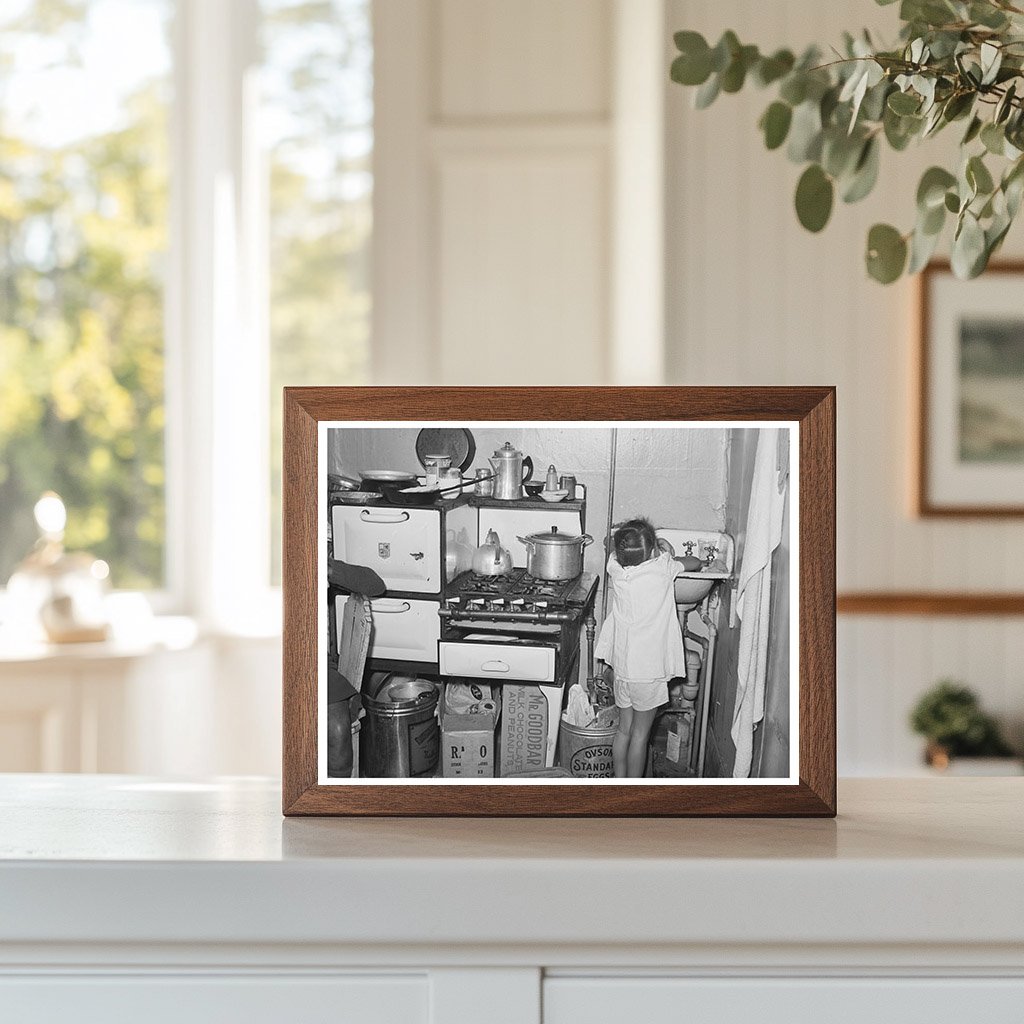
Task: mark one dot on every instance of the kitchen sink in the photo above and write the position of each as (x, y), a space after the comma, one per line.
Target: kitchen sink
(715, 550)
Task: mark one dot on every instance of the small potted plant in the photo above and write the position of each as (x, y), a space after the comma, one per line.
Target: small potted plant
(950, 718)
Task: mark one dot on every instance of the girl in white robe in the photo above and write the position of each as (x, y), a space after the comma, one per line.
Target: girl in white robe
(640, 637)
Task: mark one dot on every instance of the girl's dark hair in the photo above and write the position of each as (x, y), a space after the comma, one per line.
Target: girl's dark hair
(634, 541)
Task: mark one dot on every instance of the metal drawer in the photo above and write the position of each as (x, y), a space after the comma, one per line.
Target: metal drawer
(496, 661)
(403, 630)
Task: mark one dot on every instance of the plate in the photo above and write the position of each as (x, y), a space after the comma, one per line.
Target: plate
(455, 442)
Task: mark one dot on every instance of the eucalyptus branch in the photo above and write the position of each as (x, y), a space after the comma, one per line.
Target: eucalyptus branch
(834, 116)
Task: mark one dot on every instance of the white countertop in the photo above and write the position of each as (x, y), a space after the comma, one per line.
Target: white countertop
(120, 859)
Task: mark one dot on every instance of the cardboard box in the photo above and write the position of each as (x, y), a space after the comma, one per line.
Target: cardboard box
(468, 742)
(524, 728)
(467, 746)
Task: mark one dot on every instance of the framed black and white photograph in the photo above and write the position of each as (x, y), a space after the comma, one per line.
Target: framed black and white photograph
(532, 613)
(971, 393)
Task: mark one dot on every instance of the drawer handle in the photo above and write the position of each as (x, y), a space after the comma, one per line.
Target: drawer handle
(416, 556)
(495, 666)
(370, 517)
(391, 609)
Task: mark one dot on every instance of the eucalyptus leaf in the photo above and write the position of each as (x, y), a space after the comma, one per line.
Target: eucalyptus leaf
(931, 190)
(900, 130)
(932, 221)
(973, 130)
(865, 173)
(814, 195)
(993, 138)
(794, 88)
(708, 92)
(958, 105)
(978, 176)
(987, 15)
(735, 74)
(775, 124)
(886, 253)
(1005, 105)
(873, 106)
(922, 248)
(805, 133)
(724, 51)
(771, 69)
(968, 247)
(840, 152)
(991, 60)
(904, 103)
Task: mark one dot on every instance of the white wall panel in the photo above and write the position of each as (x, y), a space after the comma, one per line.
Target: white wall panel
(522, 281)
(528, 58)
(754, 299)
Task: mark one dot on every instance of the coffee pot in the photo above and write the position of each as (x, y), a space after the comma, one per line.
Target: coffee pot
(511, 471)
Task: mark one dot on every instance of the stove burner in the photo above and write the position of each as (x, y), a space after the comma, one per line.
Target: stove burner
(512, 589)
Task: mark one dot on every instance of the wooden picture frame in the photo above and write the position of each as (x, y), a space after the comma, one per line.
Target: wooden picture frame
(810, 414)
(943, 489)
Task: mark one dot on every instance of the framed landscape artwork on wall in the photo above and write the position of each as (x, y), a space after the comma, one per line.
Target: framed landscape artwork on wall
(970, 451)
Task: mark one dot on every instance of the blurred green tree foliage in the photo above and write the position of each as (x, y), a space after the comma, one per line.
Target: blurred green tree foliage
(83, 228)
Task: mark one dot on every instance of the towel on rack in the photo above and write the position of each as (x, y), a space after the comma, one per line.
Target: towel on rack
(753, 597)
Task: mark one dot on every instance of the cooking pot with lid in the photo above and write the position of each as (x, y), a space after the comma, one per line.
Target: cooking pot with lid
(553, 555)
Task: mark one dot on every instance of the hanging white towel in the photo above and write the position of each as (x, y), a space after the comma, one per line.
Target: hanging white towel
(753, 597)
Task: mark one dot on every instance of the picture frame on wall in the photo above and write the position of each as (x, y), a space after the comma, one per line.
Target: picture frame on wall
(970, 385)
(559, 601)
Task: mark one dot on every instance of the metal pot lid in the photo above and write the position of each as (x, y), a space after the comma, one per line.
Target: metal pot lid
(555, 538)
(507, 451)
(407, 692)
(455, 442)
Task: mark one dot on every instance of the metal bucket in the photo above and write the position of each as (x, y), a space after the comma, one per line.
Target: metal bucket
(401, 738)
(587, 753)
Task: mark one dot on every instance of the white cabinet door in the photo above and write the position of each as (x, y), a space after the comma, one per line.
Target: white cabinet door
(401, 545)
(784, 1000)
(205, 999)
(403, 629)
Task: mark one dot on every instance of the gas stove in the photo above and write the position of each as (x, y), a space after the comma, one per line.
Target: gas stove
(515, 596)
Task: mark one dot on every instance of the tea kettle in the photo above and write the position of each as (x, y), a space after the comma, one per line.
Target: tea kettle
(491, 559)
(511, 471)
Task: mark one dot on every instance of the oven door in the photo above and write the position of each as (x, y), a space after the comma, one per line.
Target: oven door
(403, 630)
(401, 545)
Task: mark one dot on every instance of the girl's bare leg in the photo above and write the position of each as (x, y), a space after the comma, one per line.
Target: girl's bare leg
(639, 733)
(620, 743)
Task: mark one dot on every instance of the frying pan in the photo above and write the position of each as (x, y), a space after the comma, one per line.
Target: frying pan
(423, 496)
